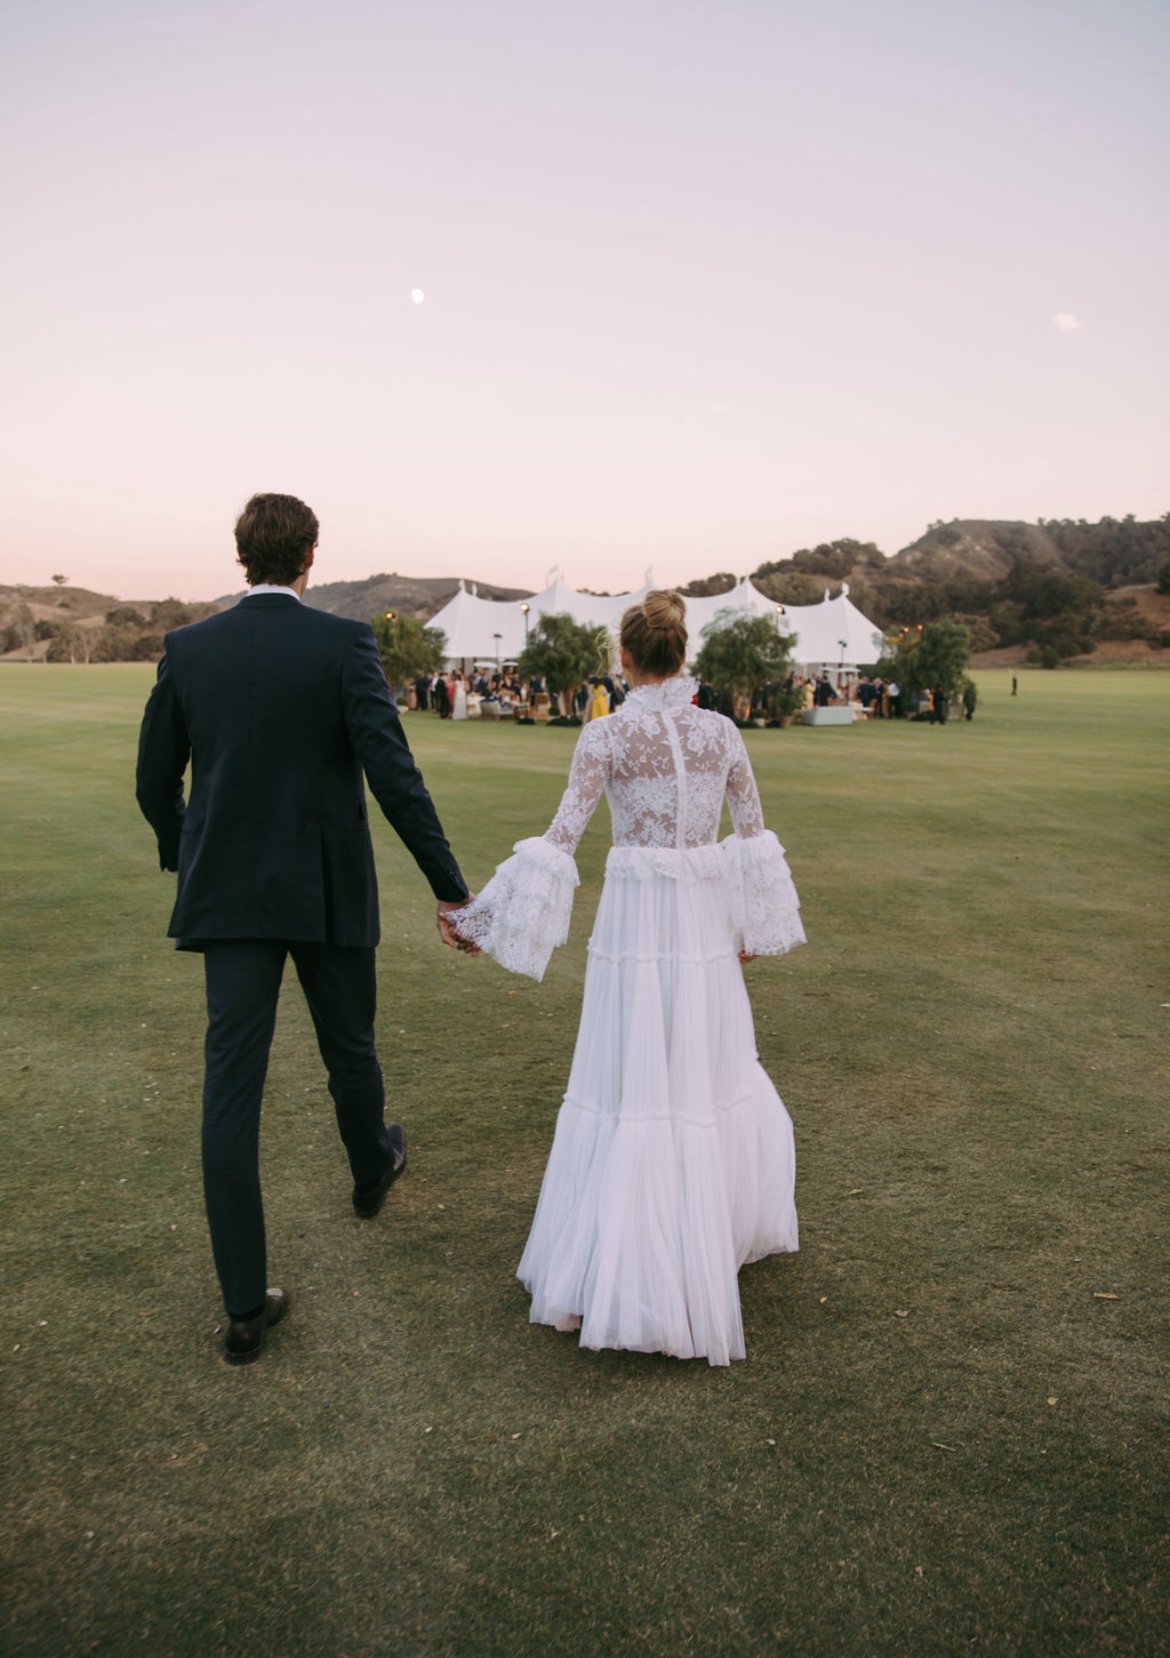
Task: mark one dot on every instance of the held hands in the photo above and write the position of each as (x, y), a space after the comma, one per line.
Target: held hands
(447, 933)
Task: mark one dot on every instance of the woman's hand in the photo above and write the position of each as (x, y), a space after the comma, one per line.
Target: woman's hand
(447, 933)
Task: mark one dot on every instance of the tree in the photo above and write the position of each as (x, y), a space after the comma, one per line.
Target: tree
(407, 647)
(115, 644)
(1164, 579)
(71, 643)
(741, 652)
(793, 588)
(931, 658)
(983, 635)
(25, 628)
(74, 642)
(704, 587)
(563, 653)
(59, 581)
(171, 613)
(1043, 590)
(835, 559)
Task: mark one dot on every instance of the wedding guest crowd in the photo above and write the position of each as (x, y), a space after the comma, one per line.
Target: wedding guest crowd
(453, 695)
(882, 698)
(450, 693)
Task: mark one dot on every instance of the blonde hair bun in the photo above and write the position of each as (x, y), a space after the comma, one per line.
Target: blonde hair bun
(654, 633)
(664, 609)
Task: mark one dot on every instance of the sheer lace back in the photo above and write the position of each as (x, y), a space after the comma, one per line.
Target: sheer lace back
(666, 767)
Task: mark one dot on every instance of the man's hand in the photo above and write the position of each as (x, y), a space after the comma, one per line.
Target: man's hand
(745, 956)
(447, 933)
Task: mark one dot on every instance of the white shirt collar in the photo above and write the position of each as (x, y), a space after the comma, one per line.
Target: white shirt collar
(269, 587)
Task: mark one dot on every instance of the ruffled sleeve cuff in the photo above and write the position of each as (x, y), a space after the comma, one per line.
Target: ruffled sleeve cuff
(524, 911)
(765, 907)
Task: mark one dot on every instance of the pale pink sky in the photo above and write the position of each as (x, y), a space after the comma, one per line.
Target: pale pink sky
(704, 282)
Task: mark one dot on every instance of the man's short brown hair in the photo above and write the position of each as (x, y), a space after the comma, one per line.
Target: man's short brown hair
(274, 536)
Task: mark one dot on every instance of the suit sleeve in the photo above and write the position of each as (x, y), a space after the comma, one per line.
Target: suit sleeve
(164, 747)
(395, 781)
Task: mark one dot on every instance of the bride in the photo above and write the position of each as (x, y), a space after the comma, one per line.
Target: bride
(673, 1163)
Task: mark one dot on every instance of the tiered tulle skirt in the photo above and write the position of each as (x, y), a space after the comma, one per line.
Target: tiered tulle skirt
(673, 1160)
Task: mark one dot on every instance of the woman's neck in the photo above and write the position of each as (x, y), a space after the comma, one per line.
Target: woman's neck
(635, 678)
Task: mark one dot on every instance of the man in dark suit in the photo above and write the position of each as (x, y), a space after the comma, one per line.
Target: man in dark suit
(280, 709)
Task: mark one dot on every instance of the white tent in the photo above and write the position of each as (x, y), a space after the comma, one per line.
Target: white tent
(471, 625)
(560, 599)
(743, 596)
(831, 634)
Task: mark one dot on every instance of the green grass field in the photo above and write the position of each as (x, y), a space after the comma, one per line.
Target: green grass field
(950, 1435)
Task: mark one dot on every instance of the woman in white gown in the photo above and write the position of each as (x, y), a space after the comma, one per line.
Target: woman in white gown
(673, 1160)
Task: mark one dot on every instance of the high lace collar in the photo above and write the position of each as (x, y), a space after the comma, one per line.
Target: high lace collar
(667, 698)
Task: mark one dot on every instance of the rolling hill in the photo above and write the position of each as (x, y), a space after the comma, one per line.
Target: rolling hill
(1053, 590)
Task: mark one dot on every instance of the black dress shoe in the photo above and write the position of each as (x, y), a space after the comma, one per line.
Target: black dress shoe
(367, 1200)
(244, 1341)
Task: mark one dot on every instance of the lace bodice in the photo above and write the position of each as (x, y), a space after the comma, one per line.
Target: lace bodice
(666, 767)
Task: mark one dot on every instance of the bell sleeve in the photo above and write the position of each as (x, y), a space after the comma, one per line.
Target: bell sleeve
(765, 906)
(524, 911)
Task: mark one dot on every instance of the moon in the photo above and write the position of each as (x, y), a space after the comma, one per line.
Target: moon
(417, 295)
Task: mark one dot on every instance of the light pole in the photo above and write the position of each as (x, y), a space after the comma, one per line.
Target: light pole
(779, 614)
(391, 617)
(525, 608)
(496, 637)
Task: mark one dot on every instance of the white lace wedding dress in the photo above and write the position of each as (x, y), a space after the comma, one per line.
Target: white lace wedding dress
(673, 1160)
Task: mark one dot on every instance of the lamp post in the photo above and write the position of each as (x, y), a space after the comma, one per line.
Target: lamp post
(391, 617)
(778, 615)
(525, 608)
(497, 637)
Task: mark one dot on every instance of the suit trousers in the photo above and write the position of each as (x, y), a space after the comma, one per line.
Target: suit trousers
(243, 986)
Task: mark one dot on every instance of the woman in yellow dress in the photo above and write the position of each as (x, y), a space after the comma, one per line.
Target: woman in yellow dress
(599, 701)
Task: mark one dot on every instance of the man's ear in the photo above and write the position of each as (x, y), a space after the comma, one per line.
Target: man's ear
(308, 565)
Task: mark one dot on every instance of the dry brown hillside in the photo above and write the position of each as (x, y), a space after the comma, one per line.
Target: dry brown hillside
(75, 624)
(1111, 552)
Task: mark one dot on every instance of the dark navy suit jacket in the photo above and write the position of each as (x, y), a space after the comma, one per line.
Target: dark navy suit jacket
(280, 709)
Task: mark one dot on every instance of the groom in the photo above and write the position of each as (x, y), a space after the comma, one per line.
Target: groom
(280, 709)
